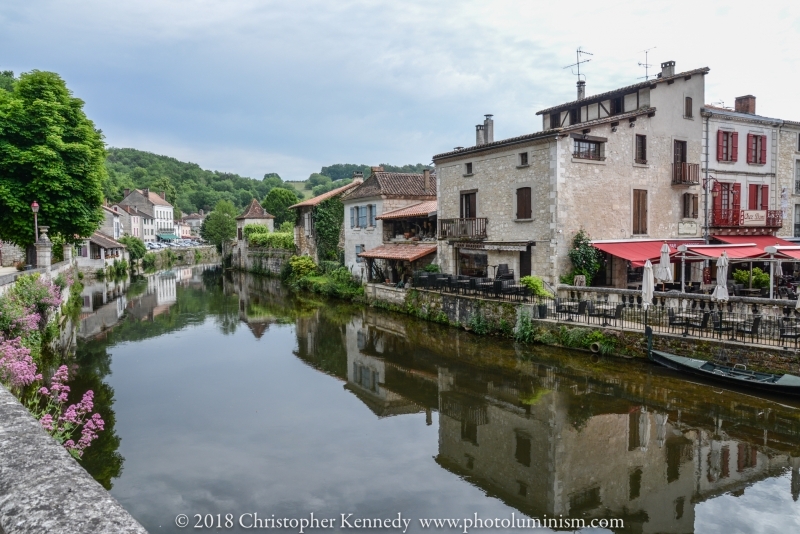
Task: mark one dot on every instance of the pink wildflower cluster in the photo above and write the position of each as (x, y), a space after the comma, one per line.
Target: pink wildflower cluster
(17, 368)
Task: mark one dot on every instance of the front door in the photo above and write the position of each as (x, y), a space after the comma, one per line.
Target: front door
(468, 205)
(525, 262)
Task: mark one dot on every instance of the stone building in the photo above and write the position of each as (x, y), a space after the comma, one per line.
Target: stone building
(616, 164)
(136, 223)
(788, 173)
(383, 192)
(195, 221)
(305, 236)
(253, 214)
(111, 225)
(154, 205)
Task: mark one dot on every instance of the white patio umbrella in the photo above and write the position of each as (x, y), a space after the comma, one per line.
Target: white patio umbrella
(648, 285)
(721, 291)
(663, 271)
(778, 268)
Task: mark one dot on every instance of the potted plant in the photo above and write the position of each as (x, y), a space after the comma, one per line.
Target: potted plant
(536, 287)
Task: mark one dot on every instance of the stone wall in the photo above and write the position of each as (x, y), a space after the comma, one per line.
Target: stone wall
(10, 254)
(787, 165)
(259, 260)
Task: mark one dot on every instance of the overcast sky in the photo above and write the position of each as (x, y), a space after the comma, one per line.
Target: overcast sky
(256, 86)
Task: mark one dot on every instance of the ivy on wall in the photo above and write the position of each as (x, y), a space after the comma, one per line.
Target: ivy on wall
(328, 221)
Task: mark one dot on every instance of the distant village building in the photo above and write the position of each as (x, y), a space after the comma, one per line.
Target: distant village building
(195, 221)
(379, 248)
(157, 207)
(136, 223)
(111, 224)
(99, 251)
(253, 214)
(305, 237)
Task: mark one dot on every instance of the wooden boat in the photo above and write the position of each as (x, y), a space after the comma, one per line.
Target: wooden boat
(738, 375)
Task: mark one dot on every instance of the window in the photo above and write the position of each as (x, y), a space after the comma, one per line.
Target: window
(689, 206)
(239, 234)
(523, 450)
(639, 211)
(756, 149)
(687, 107)
(524, 203)
(352, 217)
(797, 220)
(757, 197)
(469, 432)
(359, 250)
(469, 205)
(727, 146)
(641, 149)
(373, 208)
(522, 489)
(617, 105)
(635, 484)
(555, 120)
(523, 158)
(468, 168)
(588, 150)
(362, 216)
(574, 115)
(797, 177)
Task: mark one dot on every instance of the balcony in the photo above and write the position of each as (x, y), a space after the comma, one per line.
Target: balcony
(685, 174)
(462, 228)
(726, 218)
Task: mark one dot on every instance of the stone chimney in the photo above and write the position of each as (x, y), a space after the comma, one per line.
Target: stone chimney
(376, 169)
(581, 90)
(163, 194)
(426, 181)
(358, 176)
(201, 212)
(745, 104)
(127, 192)
(488, 129)
(667, 69)
(146, 193)
(480, 137)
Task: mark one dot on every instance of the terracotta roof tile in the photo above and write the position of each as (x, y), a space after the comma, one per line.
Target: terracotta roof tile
(324, 196)
(131, 211)
(105, 241)
(155, 198)
(398, 184)
(255, 211)
(423, 209)
(399, 252)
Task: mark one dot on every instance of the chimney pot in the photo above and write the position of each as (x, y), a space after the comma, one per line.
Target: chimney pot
(480, 138)
(746, 104)
(201, 212)
(127, 192)
(163, 195)
(146, 192)
(667, 69)
(581, 90)
(488, 129)
(358, 177)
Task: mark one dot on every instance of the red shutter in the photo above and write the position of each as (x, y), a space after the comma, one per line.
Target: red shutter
(720, 135)
(717, 213)
(763, 158)
(764, 197)
(737, 199)
(751, 149)
(752, 196)
(735, 146)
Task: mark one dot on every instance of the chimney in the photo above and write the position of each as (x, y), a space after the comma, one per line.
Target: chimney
(201, 212)
(116, 208)
(358, 177)
(667, 69)
(746, 104)
(146, 192)
(127, 192)
(426, 179)
(136, 209)
(163, 195)
(581, 89)
(480, 137)
(488, 129)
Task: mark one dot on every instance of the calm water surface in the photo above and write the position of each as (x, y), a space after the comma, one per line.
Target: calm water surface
(228, 395)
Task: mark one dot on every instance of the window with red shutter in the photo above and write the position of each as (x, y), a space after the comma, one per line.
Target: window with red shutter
(720, 145)
(764, 197)
(736, 201)
(751, 148)
(752, 196)
(734, 146)
(763, 152)
(717, 211)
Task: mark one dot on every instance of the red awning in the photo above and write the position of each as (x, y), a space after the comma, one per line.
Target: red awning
(761, 241)
(639, 251)
(788, 253)
(743, 251)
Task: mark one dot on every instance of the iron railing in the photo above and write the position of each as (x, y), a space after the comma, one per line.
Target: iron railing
(685, 173)
(474, 228)
(734, 218)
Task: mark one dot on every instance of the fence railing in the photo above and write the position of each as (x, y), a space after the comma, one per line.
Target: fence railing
(462, 228)
(685, 173)
(730, 217)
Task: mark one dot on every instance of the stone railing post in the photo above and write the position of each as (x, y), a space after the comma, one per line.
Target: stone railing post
(67, 252)
(44, 250)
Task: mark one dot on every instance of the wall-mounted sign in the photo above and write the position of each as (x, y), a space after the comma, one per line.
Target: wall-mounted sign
(753, 218)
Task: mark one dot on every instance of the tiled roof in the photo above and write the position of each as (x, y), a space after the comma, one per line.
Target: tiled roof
(131, 211)
(111, 211)
(604, 96)
(255, 211)
(324, 196)
(738, 114)
(399, 252)
(423, 209)
(400, 184)
(105, 241)
(155, 198)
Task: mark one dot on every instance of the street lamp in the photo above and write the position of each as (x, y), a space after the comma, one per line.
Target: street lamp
(35, 208)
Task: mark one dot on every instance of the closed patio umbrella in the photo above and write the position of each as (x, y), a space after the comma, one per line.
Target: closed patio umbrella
(648, 285)
(721, 291)
(663, 271)
(778, 268)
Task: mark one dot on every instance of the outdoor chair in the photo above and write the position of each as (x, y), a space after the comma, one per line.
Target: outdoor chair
(783, 292)
(702, 325)
(504, 273)
(674, 322)
(561, 308)
(581, 311)
(789, 332)
(615, 316)
(751, 330)
(719, 326)
(594, 313)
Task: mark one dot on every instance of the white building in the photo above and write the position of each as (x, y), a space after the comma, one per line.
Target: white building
(154, 205)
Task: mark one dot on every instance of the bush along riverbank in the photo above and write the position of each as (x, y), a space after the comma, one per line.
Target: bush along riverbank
(328, 278)
(29, 316)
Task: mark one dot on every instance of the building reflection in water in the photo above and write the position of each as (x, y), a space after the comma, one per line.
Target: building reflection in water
(549, 438)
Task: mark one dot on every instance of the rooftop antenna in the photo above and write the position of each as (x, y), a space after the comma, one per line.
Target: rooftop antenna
(578, 62)
(646, 65)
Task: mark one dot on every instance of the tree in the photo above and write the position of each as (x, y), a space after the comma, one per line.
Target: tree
(317, 179)
(220, 225)
(164, 184)
(277, 203)
(7, 80)
(136, 248)
(52, 153)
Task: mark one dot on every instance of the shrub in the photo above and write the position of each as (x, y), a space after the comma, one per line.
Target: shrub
(326, 266)
(478, 323)
(302, 266)
(149, 260)
(274, 240)
(536, 285)
(524, 332)
(760, 278)
(584, 257)
(286, 227)
(254, 229)
(432, 268)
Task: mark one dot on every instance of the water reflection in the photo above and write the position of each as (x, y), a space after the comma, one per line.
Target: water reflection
(536, 431)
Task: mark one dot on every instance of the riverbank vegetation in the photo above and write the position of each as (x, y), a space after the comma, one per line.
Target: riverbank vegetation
(329, 278)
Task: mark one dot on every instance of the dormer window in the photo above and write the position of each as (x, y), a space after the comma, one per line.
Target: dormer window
(617, 105)
(555, 120)
(574, 116)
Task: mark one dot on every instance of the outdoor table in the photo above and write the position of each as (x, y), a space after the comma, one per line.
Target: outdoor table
(687, 317)
(734, 322)
(750, 292)
(463, 285)
(486, 286)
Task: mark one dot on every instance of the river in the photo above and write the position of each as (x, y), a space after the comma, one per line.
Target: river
(226, 394)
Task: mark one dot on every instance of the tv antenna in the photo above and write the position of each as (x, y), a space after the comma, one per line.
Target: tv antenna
(646, 65)
(578, 62)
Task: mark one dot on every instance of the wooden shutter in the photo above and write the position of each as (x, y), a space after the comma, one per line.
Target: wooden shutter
(473, 208)
(764, 197)
(720, 139)
(717, 211)
(751, 149)
(524, 203)
(735, 146)
(737, 199)
(694, 206)
(763, 158)
(352, 217)
(752, 196)
(639, 211)
(688, 108)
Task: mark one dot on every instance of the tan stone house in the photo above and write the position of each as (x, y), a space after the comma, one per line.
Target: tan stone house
(617, 164)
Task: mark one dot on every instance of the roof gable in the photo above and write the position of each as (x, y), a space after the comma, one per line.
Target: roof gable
(324, 196)
(397, 184)
(254, 211)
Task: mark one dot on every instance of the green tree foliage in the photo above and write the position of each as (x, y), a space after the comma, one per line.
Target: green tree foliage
(7, 80)
(136, 248)
(194, 188)
(584, 257)
(328, 220)
(317, 179)
(220, 225)
(341, 171)
(330, 186)
(52, 153)
(277, 203)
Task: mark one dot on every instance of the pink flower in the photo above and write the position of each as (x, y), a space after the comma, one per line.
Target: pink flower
(47, 422)
(17, 368)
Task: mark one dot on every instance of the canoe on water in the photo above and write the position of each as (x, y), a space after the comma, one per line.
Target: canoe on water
(738, 375)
